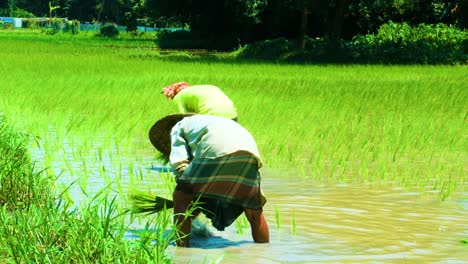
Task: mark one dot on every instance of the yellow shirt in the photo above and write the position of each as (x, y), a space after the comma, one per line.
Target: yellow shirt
(205, 99)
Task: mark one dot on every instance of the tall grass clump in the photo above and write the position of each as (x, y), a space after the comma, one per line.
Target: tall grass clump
(39, 226)
(20, 185)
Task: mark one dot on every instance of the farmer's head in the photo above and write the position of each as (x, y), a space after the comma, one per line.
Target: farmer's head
(173, 89)
(160, 133)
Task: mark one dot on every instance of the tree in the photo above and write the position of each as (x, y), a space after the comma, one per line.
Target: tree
(254, 8)
(336, 12)
(133, 10)
(331, 12)
(306, 7)
(11, 7)
(51, 9)
(222, 24)
(366, 16)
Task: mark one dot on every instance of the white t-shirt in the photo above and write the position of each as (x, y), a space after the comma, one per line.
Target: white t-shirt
(208, 137)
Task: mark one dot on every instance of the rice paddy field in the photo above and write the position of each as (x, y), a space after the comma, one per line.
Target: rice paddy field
(363, 163)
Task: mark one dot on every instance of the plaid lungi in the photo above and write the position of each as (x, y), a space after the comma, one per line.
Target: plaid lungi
(225, 186)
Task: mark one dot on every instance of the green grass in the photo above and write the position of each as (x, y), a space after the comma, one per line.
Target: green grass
(86, 38)
(331, 122)
(38, 226)
(90, 107)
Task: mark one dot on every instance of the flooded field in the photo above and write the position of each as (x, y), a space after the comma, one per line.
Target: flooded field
(345, 224)
(381, 150)
(318, 223)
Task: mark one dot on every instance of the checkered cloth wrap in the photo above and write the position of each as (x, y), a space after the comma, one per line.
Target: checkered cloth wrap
(226, 186)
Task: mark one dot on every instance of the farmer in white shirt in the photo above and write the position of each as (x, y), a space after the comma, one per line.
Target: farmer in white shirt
(216, 163)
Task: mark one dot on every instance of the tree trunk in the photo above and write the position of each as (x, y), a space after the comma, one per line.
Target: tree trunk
(336, 16)
(100, 10)
(303, 27)
(275, 25)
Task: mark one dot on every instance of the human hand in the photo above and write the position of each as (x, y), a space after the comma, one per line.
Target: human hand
(181, 167)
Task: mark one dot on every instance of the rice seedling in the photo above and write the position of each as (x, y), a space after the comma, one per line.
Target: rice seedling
(278, 216)
(293, 223)
(144, 202)
(241, 223)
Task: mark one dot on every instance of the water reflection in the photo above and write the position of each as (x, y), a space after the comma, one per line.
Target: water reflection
(345, 224)
(312, 223)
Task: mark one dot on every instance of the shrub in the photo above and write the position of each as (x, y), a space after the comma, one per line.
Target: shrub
(267, 49)
(322, 50)
(396, 43)
(109, 30)
(182, 39)
(130, 21)
(19, 185)
(17, 12)
(22, 13)
(401, 43)
(34, 23)
(49, 31)
(72, 27)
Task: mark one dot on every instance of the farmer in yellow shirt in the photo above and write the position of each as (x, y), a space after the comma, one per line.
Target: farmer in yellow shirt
(201, 99)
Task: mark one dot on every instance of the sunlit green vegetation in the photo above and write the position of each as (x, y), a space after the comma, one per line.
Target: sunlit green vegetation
(41, 226)
(344, 123)
(89, 108)
(88, 38)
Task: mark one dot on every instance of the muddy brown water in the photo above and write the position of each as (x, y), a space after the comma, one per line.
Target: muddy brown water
(344, 224)
(332, 223)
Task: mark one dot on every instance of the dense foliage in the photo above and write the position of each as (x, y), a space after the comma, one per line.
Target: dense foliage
(251, 19)
(192, 40)
(401, 43)
(19, 186)
(396, 43)
(340, 30)
(109, 30)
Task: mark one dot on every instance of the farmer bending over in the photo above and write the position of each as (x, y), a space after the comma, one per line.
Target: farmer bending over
(216, 163)
(201, 99)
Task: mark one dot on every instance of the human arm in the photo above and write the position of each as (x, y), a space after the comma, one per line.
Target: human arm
(180, 151)
(180, 105)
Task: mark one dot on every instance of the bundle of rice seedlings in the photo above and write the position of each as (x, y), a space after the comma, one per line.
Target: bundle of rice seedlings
(147, 203)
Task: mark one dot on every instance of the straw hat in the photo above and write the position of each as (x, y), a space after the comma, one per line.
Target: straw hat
(160, 133)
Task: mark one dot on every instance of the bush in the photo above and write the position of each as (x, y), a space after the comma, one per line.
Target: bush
(17, 12)
(182, 39)
(322, 50)
(109, 30)
(34, 23)
(19, 185)
(401, 43)
(5, 25)
(267, 49)
(131, 21)
(22, 13)
(394, 43)
(281, 49)
(49, 31)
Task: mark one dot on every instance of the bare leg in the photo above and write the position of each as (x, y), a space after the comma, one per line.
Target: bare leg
(182, 202)
(258, 225)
